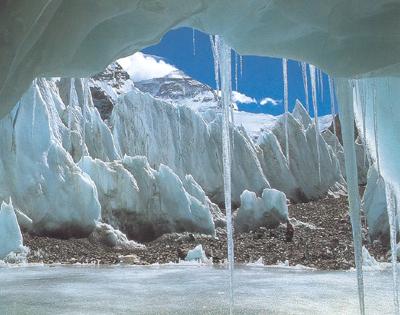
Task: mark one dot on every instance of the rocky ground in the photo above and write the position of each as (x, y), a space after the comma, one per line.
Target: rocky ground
(322, 239)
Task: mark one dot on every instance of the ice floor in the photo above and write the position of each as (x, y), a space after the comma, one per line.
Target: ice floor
(179, 289)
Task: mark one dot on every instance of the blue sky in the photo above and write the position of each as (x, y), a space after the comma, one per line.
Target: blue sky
(262, 76)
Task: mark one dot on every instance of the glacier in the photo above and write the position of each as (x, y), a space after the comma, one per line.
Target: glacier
(10, 233)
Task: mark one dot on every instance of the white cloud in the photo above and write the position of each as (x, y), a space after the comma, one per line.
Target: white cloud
(142, 67)
(269, 100)
(238, 97)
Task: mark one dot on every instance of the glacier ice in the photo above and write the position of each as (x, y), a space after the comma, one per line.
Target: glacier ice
(197, 254)
(145, 203)
(374, 205)
(269, 210)
(10, 233)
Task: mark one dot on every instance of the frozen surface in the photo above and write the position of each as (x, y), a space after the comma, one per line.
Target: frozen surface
(180, 289)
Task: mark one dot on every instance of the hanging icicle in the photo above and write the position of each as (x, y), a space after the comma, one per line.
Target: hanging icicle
(84, 107)
(214, 50)
(286, 106)
(361, 98)
(333, 107)
(392, 216)
(321, 84)
(194, 41)
(376, 129)
(346, 115)
(224, 53)
(236, 71)
(70, 104)
(241, 65)
(305, 83)
(34, 84)
(315, 108)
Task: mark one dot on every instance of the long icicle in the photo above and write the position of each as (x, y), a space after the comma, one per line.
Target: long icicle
(194, 41)
(225, 63)
(241, 65)
(378, 164)
(392, 216)
(305, 83)
(34, 83)
(286, 106)
(333, 108)
(346, 115)
(213, 43)
(321, 84)
(236, 71)
(85, 104)
(70, 104)
(315, 108)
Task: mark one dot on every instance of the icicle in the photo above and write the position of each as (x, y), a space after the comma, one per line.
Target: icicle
(361, 99)
(315, 108)
(321, 84)
(34, 106)
(305, 83)
(236, 71)
(376, 129)
(333, 109)
(241, 65)
(216, 61)
(286, 105)
(194, 41)
(71, 91)
(392, 216)
(179, 134)
(224, 53)
(346, 114)
(84, 107)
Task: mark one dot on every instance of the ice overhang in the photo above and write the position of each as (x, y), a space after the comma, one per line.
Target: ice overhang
(79, 38)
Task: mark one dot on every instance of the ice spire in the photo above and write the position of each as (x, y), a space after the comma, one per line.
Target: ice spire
(194, 41)
(224, 53)
(333, 108)
(346, 114)
(71, 91)
(305, 83)
(392, 216)
(286, 105)
(315, 108)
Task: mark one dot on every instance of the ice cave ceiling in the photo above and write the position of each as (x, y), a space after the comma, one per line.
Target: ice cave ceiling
(79, 38)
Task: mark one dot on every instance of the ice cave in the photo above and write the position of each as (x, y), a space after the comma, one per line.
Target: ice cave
(175, 192)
